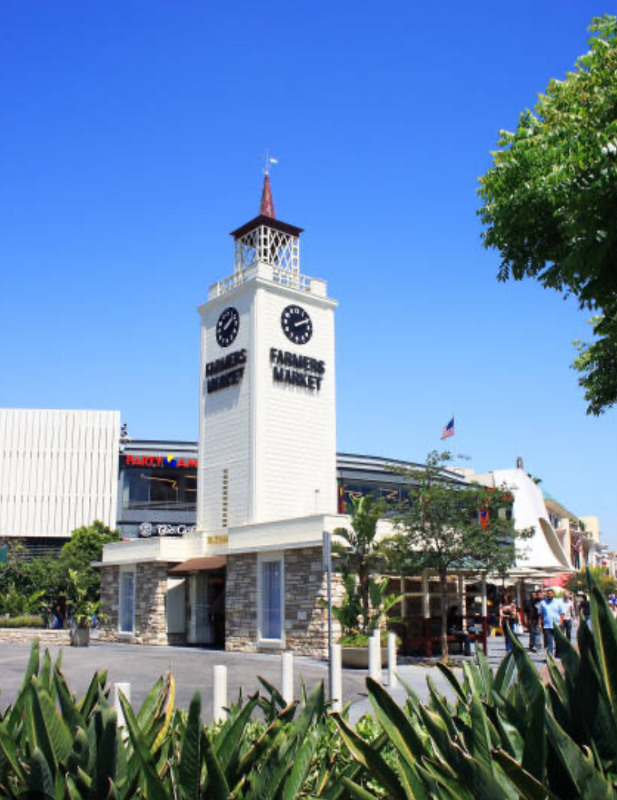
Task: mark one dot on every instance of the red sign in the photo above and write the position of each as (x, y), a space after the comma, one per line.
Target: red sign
(162, 462)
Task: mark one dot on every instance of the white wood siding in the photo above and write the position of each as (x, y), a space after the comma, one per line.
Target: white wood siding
(58, 470)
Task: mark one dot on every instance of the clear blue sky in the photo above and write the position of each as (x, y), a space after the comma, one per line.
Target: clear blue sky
(130, 136)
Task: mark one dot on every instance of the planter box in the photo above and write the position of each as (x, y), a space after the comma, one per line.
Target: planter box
(80, 637)
(357, 657)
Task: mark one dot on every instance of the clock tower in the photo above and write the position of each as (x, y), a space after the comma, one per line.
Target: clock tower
(267, 445)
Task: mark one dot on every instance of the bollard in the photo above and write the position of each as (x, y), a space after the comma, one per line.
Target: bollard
(287, 677)
(220, 693)
(337, 678)
(374, 657)
(392, 679)
(125, 688)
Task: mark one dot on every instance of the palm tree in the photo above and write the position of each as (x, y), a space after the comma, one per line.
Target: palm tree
(360, 556)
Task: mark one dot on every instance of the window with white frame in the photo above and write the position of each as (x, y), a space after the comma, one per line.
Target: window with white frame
(271, 593)
(127, 600)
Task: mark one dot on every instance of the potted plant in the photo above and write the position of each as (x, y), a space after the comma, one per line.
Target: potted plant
(366, 602)
(83, 611)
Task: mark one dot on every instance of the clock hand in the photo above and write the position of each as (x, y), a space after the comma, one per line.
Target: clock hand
(300, 324)
(228, 323)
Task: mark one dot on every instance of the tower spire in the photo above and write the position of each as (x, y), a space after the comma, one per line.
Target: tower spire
(267, 206)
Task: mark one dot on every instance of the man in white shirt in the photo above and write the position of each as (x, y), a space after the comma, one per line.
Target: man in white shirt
(568, 615)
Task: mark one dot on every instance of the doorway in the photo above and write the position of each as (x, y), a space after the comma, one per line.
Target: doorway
(208, 609)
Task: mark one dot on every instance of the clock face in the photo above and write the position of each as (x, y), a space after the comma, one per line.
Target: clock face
(227, 326)
(296, 324)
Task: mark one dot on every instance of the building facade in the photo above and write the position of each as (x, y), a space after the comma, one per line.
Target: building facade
(58, 471)
(266, 474)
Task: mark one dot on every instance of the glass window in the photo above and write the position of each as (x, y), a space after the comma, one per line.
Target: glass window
(127, 601)
(271, 596)
(158, 488)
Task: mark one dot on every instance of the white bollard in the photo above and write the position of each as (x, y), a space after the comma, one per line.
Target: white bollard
(337, 678)
(125, 688)
(392, 679)
(220, 693)
(287, 677)
(374, 657)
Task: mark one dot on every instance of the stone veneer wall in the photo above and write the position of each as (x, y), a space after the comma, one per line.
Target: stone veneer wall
(150, 614)
(306, 626)
(45, 637)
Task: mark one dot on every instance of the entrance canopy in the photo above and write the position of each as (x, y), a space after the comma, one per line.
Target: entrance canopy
(203, 564)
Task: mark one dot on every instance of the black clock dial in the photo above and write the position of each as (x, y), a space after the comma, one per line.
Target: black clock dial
(296, 324)
(227, 326)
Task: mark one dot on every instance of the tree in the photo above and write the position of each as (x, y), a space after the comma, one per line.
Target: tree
(86, 546)
(366, 599)
(550, 201)
(598, 364)
(444, 525)
(577, 582)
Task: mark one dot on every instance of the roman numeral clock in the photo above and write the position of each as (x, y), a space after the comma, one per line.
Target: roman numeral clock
(267, 415)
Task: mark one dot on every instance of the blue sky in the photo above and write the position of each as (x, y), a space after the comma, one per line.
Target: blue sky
(131, 136)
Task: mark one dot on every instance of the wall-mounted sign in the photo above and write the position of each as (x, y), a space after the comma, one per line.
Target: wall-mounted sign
(227, 371)
(162, 462)
(147, 529)
(296, 370)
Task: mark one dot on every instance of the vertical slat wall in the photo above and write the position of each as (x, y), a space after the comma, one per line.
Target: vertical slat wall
(58, 470)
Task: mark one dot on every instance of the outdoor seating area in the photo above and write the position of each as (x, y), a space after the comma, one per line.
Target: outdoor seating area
(422, 635)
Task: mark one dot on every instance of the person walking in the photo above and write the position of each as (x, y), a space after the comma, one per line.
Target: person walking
(533, 620)
(508, 617)
(551, 615)
(568, 615)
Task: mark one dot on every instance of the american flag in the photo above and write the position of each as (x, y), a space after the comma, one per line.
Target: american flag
(448, 430)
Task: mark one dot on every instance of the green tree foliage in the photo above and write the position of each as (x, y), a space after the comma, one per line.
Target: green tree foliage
(550, 200)
(85, 546)
(597, 363)
(577, 582)
(440, 528)
(50, 575)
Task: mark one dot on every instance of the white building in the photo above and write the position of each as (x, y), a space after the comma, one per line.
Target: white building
(267, 466)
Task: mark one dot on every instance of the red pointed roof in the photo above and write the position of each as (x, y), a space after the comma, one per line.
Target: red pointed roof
(266, 208)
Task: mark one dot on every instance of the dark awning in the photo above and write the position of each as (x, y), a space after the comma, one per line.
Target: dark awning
(203, 564)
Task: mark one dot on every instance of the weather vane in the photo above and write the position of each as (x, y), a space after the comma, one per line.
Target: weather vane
(267, 161)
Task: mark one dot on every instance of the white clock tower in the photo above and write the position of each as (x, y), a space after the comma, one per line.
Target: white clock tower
(267, 445)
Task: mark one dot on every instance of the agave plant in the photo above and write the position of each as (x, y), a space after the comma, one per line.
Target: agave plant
(53, 745)
(507, 734)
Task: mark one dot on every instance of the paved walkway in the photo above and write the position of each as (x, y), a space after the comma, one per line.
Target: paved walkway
(141, 666)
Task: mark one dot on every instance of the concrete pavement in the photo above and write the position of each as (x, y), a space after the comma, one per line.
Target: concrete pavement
(141, 666)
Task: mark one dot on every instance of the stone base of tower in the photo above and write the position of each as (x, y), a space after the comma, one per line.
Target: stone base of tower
(149, 618)
(305, 623)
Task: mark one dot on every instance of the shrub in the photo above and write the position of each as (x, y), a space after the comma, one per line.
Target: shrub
(361, 640)
(24, 621)
(52, 745)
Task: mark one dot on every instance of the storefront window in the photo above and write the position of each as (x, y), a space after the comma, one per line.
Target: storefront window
(391, 495)
(151, 488)
(271, 600)
(127, 600)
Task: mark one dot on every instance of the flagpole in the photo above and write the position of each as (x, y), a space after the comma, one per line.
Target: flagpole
(455, 450)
